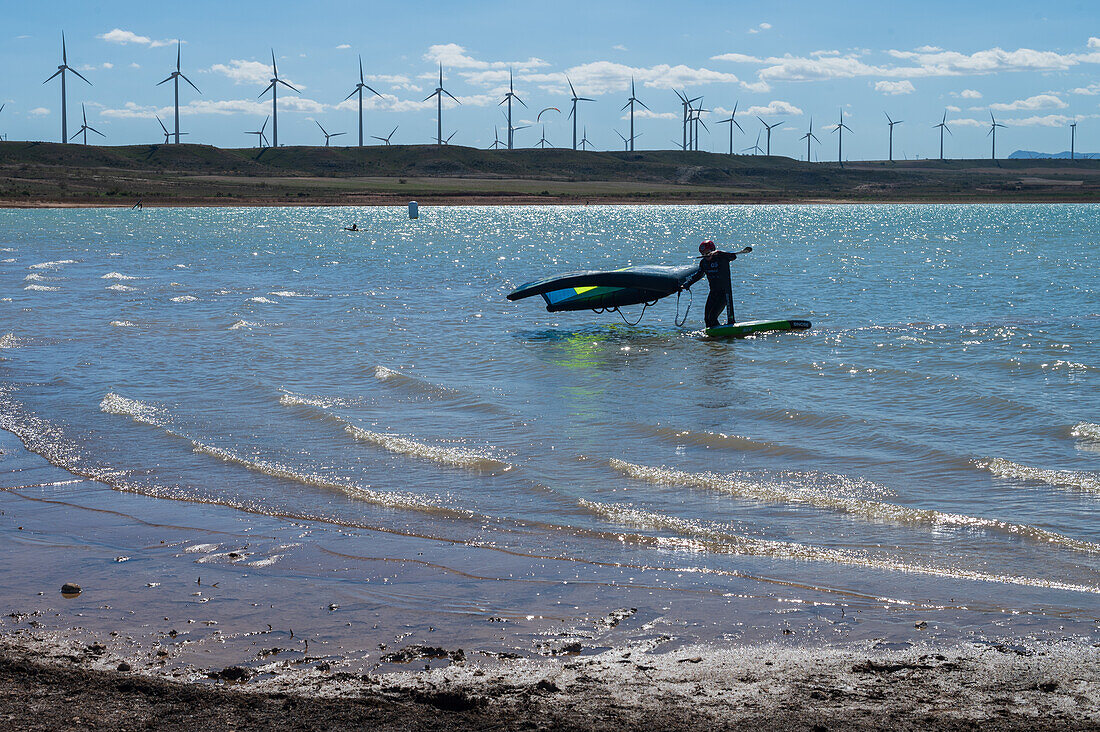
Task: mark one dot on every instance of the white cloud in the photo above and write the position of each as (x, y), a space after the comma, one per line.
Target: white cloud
(39, 111)
(969, 94)
(1049, 120)
(108, 65)
(124, 37)
(953, 109)
(130, 110)
(894, 88)
(248, 72)
(1039, 101)
(343, 47)
(737, 58)
(775, 107)
(650, 114)
(619, 47)
(967, 122)
(948, 63)
(1094, 42)
(929, 49)
(455, 56)
(606, 77)
(135, 65)
(1090, 90)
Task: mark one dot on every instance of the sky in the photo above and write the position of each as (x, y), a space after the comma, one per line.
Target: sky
(1035, 66)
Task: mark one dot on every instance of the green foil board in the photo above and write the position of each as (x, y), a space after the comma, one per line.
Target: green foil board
(740, 330)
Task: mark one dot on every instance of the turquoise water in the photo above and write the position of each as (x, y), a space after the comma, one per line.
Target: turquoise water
(934, 440)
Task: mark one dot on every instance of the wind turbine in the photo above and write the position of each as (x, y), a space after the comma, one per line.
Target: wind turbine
(686, 104)
(61, 70)
(273, 87)
(359, 90)
(769, 128)
(697, 120)
(508, 98)
(438, 94)
(1072, 137)
(810, 136)
(993, 131)
(84, 128)
(386, 140)
(731, 122)
(543, 142)
(448, 140)
(261, 138)
(756, 147)
(630, 103)
(840, 127)
(513, 130)
(175, 77)
(626, 142)
(573, 111)
(892, 123)
(943, 126)
(326, 133)
(167, 134)
(496, 140)
(584, 140)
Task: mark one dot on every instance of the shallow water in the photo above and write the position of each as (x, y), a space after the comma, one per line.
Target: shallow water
(933, 441)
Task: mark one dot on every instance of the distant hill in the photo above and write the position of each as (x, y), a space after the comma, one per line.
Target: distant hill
(1032, 155)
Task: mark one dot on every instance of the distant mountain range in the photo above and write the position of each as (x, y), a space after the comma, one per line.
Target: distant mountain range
(1032, 155)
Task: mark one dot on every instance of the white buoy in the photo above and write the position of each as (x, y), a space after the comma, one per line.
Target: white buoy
(414, 210)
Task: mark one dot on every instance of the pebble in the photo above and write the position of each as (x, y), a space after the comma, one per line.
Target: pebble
(70, 588)
(124, 667)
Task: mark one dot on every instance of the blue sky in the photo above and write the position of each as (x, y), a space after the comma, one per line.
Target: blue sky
(1036, 65)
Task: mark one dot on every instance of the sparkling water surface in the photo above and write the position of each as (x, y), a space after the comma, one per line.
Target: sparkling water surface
(933, 440)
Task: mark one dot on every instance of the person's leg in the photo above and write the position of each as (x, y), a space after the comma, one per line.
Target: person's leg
(716, 303)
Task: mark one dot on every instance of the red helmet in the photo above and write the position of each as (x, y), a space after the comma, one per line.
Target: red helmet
(707, 247)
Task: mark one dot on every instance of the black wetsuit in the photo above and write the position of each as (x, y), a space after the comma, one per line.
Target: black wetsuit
(717, 270)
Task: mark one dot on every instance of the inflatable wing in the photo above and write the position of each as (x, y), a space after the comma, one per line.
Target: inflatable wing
(596, 290)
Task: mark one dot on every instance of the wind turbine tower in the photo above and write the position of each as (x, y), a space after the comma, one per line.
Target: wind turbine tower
(359, 90)
(808, 137)
(731, 122)
(686, 104)
(584, 143)
(438, 94)
(573, 110)
(840, 127)
(769, 129)
(61, 71)
(993, 131)
(1072, 138)
(943, 126)
(630, 103)
(273, 87)
(892, 123)
(508, 98)
(175, 77)
(261, 137)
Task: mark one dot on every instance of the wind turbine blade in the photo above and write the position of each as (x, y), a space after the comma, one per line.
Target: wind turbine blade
(64, 59)
(337, 134)
(288, 86)
(189, 82)
(264, 125)
(54, 74)
(571, 89)
(162, 125)
(93, 129)
(376, 137)
(361, 69)
(625, 106)
(265, 91)
(372, 91)
(520, 100)
(319, 125)
(81, 76)
(353, 92)
(392, 131)
(76, 134)
(452, 96)
(165, 81)
(737, 123)
(639, 101)
(763, 122)
(179, 47)
(585, 99)
(274, 68)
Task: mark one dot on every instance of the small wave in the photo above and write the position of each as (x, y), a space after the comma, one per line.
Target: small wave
(140, 412)
(34, 277)
(9, 260)
(120, 288)
(716, 539)
(870, 510)
(422, 389)
(717, 439)
(1086, 431)
(263, 300)
(433, 453)
(243, 324)
(1060, 478)
(184, 298)
(9, 341)
(288, 399)
(41, 288)
(123, 324)
(52, 265)
(276, 470)
(117, 276)
(288, 293)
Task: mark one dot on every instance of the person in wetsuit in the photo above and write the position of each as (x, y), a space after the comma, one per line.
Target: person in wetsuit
(715, 265)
